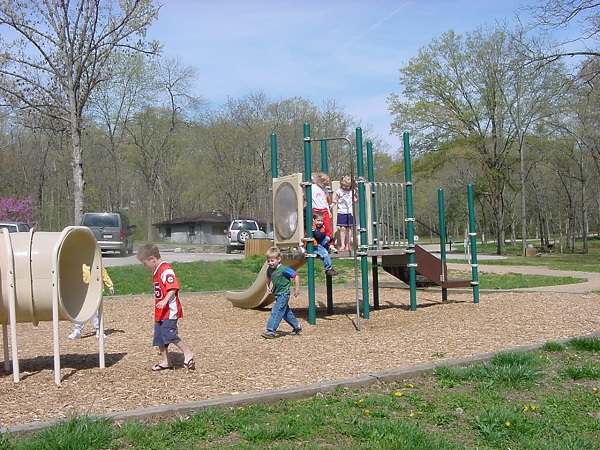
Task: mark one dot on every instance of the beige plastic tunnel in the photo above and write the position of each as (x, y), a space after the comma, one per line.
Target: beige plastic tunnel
(35, 266)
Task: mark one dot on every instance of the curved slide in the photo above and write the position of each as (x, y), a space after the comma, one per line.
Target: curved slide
(256, 295)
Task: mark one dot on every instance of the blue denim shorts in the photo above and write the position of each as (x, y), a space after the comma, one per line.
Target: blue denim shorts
(165, 333)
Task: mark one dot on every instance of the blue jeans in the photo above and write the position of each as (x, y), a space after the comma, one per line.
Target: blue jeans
(322, 253)
(281, 310)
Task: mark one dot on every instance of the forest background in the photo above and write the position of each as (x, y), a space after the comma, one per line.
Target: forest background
(93, 117)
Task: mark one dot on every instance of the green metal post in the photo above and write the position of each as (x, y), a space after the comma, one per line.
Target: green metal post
(362, 251)
(274, 173)
(473, 240)
(310, 249)
(374, 262)
(410, 228)
(328, 278)
(371, 179)
(324, 164)
(442, 241)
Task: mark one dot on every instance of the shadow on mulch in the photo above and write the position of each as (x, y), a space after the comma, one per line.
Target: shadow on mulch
(73, 361)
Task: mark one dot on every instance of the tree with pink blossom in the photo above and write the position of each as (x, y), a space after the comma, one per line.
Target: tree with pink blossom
(13, 209)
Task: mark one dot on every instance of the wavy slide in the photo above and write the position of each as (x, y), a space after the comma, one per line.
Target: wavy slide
(256, 295)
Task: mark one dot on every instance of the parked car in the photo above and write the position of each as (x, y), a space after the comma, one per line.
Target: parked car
(15, 227)
(112, 231)
(239, 231)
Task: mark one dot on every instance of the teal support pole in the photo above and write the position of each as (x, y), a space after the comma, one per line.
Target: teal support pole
(442, 241)
(374, 246)
(310, 248)
(324, 163)
(362, 251)
(328, 279)
(371, 179)
(410, 226)
(473, 241)
(274, 173)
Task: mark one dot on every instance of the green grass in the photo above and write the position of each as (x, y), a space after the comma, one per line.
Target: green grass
(514, 280)
(547, 399)
(577, 261)
(239, 274)
(203, 276)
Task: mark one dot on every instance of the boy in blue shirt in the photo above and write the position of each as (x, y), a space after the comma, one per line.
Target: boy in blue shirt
(278, 283)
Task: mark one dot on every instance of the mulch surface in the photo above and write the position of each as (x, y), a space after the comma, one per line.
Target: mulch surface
(232, 359)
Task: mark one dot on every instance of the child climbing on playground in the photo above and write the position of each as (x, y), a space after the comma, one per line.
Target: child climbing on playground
(167, 308)
(78, 327)
(344, 198)
(278, 283)
(321, 241)
(321, 202)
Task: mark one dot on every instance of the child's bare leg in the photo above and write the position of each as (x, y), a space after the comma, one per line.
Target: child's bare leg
(343, 238)
(164, 356)
(187, 353)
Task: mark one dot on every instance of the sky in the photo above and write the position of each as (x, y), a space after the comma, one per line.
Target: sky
(349, 51)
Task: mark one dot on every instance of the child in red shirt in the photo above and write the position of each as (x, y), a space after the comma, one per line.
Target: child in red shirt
(167, 308)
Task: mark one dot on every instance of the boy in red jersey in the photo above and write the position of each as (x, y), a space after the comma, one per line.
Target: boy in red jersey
(167, 308)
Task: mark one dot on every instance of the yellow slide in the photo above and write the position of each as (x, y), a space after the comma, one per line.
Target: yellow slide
(256, 295)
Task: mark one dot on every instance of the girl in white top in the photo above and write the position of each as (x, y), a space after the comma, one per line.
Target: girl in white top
(320, 202)
(345, 198)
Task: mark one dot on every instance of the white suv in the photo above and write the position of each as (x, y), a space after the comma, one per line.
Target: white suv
(15, 227)
(239, 230)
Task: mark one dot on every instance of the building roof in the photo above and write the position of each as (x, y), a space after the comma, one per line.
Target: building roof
(203, 217)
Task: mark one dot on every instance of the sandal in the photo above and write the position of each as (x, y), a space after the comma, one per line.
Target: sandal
(158, 368)
(189, 365)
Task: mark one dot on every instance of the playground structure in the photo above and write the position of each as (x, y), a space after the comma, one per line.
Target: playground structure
(387, 207)
(41, 279)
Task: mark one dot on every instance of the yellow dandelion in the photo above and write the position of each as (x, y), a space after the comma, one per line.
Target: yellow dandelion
(526, 409)
(507, 423)
(410, 385)
(595, 389)
(534, 407)
(240, 408)
(412, 414)
(367, 411)
(398, 394)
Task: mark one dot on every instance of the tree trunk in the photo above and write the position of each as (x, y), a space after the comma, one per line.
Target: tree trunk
(77, 166)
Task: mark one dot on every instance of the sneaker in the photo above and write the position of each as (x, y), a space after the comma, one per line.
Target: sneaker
(331, 272)
(297, 331)
(98, 334)
(268, 334)
(76, 334)
(332, 249)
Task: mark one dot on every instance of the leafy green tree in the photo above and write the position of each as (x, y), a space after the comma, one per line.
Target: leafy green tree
(463, 91)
